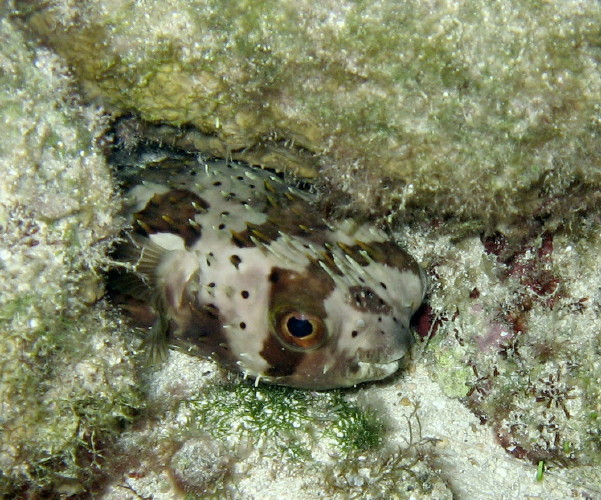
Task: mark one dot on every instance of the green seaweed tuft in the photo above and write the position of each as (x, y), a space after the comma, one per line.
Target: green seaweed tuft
(356, 429)
(291, 420)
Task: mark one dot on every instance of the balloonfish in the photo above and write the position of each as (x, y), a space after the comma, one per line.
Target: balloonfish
(231, 262)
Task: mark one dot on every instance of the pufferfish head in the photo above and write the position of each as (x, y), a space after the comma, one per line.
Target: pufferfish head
(341, 320)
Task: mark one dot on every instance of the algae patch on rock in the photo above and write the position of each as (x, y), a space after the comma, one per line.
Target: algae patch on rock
(489, 111)
(521, 323)
(209, 438)
(67, 385)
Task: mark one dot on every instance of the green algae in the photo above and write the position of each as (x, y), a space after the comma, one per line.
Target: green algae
(452, 375)
(292, 421)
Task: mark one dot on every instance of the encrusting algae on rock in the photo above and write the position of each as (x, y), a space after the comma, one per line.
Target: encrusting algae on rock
(232, 263)
(68, 381)
(485, 111)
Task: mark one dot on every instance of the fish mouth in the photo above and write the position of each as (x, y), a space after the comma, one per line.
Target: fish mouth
(380, 357)
(379, 364)
(377, 371)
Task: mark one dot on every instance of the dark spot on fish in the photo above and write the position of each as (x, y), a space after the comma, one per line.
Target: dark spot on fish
(383, 285)
(245, 294)
(243, 325)
(217, 183)
(221, 226)
(235, 260)
(274, 276)
(364, 299)
(211, 285)
(354, 333)
(172, 212)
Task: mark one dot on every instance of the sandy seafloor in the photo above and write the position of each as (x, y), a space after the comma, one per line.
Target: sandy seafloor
(473, 464)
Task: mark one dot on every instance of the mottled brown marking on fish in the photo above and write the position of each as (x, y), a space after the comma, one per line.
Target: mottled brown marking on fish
(354, 252)
(172, 212)
(305, 292)
(363, 298)
(241, 239)
(282, 361)
(283, 217)
(284, 212)
(200, 326)
(308, 289)
(327, 258)
(265, 233)
(292, 210)
(389, 254)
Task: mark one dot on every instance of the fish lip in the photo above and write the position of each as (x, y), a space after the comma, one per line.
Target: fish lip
(383, 370)
(380, 357)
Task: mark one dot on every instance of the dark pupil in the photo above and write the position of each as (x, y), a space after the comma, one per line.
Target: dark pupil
(299, 327)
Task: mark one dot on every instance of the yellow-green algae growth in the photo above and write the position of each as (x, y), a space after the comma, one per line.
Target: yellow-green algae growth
(67, 383)
(477, 109)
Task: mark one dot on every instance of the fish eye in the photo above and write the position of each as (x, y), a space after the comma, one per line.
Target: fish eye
(299, 327)
(300, 330)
